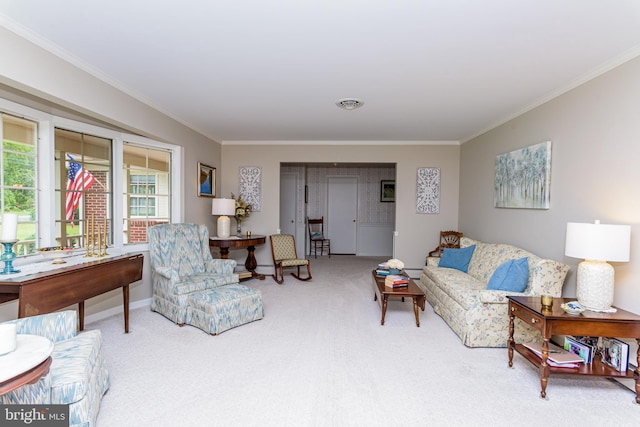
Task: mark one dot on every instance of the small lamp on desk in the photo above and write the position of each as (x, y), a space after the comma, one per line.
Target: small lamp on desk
(596, 244)
(223, 207)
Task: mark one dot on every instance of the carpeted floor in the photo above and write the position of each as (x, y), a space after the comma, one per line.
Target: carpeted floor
(321, 358)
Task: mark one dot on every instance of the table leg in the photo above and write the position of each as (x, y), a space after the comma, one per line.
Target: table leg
(415, 311)
(384, 308)
(637, 373)
(125, 301)
(510, 342)
(224, 253)
(544, 368)
(251, 264)
(81, 315)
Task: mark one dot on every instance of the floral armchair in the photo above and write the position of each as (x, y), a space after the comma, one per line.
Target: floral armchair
(78, 375)
(181, 264)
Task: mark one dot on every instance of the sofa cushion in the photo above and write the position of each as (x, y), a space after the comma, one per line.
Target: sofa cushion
(511, 275)
(457, 258)
(459, 286)
(203, 281)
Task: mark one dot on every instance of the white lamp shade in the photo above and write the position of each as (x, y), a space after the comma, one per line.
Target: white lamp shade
(602, 242)
(223, 207)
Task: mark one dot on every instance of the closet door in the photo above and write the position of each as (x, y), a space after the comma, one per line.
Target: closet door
(342, 221)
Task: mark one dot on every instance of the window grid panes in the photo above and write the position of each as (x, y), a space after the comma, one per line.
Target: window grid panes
(147, 190)
(83, 165)
(18, 178)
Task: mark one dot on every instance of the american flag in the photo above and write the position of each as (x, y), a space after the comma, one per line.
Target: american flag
(79, 179)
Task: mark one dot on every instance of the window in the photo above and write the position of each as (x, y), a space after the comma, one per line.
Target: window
(142, 206)
(39, 149)
(146, 198)
(18, 186)
(83, 181)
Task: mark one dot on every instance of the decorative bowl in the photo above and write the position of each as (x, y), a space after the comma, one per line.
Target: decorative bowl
(572, 307)
(56, 253)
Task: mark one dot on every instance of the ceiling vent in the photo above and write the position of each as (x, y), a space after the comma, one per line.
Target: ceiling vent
(349, 103)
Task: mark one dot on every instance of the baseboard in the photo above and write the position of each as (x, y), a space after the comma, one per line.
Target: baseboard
(116, 310)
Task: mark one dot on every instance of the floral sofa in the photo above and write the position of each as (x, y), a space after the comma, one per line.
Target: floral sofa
(78, 375)
(478, 315)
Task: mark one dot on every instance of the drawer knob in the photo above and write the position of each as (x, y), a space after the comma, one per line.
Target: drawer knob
(533, 320)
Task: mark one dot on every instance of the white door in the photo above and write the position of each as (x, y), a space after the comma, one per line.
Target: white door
(288, 192)
(342, 212)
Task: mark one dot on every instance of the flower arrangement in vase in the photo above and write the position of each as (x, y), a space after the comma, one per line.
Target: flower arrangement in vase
(243, 210)
(395, 265)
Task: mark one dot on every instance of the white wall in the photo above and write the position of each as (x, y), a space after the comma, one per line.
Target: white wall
(417, 233)
(595, 132)
(34, 77)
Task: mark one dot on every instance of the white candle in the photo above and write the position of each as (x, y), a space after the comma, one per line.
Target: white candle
(7, 338)
(9, 227)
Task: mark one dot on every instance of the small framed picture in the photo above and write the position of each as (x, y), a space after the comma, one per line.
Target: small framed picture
(206, 180)
(387, 191)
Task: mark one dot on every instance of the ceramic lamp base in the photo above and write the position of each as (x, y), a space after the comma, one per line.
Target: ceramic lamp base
(223, 227)
(594, 284)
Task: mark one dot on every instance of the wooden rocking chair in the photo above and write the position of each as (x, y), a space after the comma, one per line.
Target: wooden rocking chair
(283, 251)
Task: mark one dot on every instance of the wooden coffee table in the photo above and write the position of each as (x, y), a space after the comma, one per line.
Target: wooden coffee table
(411, 291)
(555, 321)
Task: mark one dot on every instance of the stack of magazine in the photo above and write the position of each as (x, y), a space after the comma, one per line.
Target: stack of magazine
(581, 346)
(382, 270)
(615, 353)
(557, 356)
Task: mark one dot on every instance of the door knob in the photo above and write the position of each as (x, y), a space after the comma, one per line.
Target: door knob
(291, 221)
(354, 220)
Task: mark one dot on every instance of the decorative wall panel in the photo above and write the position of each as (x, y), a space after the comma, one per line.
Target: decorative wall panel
(251, 186)
(428, 190)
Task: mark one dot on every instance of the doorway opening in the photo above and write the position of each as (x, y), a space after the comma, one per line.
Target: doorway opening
(358, 218)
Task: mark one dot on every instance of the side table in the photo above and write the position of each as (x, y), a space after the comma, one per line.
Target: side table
(249, 242)
(26, 364)
(554, 321)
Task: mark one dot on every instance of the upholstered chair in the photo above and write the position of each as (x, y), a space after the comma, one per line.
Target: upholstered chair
(283, 251)
(181, 263)
(78, 374)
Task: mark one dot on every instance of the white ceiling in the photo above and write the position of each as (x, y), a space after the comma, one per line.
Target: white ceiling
(429, 70)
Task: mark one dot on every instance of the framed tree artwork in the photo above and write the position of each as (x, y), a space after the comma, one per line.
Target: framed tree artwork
(523, 178)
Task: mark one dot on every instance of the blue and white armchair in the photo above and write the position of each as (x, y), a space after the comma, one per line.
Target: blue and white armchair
(181, 263)
(78, 375)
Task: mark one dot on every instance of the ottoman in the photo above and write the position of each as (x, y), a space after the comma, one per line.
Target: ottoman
(225, 307)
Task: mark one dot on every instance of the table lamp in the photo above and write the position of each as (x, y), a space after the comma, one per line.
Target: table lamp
(223, 207)
(596, 244)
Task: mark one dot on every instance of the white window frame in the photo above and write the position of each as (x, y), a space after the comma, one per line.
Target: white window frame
(45, 174)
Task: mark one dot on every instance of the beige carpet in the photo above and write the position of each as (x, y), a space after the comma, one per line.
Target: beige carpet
(321, 358)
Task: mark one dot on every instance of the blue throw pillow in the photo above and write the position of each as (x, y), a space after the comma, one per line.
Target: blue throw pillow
(457, 258)
(511, 275)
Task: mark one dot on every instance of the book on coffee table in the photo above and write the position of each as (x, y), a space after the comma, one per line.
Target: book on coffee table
(396, 281)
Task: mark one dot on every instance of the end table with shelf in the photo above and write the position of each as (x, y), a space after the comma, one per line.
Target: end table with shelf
(554, 321)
